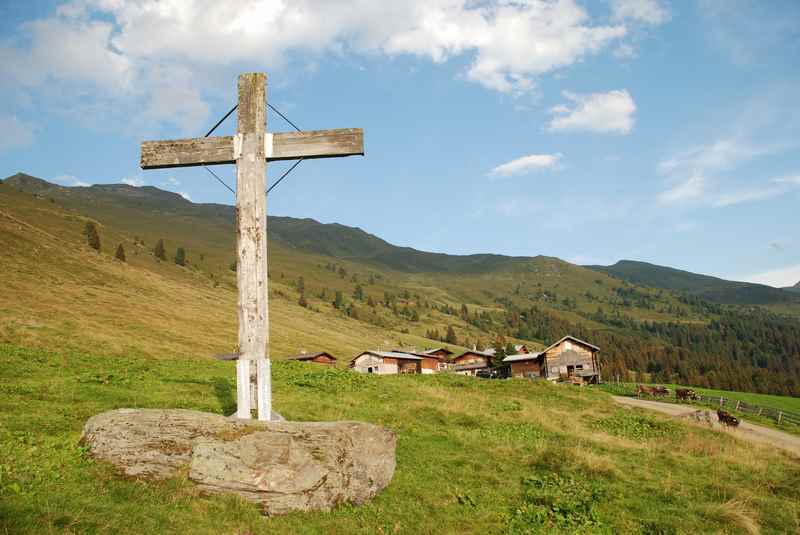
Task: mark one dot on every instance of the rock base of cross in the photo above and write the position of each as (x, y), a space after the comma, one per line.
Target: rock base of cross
(281, 466)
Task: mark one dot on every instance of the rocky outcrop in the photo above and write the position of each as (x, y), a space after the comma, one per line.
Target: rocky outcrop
(282, 466)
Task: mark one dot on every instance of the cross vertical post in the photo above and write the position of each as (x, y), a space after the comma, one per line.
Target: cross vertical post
(251, 246)
(250, 149)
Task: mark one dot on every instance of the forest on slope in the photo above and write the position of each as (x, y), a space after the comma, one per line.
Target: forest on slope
(339, 288)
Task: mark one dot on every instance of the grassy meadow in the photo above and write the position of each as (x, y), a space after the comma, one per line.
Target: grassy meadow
(473, 456)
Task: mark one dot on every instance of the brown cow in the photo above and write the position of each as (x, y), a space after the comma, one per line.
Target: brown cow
(685, 394)
(727, 418)
(651, 390)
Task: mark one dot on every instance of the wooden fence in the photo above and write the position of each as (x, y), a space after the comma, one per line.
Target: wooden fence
(778, 415)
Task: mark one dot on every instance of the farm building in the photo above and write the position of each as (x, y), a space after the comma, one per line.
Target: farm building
(391, 362)
(470, 362)
(439, 351)
(320, 357)
(568, 357)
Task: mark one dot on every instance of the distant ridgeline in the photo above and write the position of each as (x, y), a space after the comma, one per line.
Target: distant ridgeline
(674, 325)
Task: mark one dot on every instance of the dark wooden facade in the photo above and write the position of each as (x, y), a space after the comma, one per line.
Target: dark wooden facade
(321, 357)
(571, 357)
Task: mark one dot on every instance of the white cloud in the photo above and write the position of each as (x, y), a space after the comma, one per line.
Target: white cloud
(527, 164)
(624, 51)
(70, 180)
(156, 55)
(14, 133)
(691, 189)
(764, 127)
(780, 277)
(185, 195)
(645, 11)
(610, 112)
(747, 195)
(790, 179)
(774, 188)
(172, 181)
(134, 181)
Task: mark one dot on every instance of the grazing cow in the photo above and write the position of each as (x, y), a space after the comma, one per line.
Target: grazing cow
(727, 418)
(686, 393)
(651, 390)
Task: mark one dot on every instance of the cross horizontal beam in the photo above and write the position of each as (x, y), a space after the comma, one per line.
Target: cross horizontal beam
(280, 146)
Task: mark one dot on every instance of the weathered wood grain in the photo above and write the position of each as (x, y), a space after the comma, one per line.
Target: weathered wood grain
(187, 152)
(317, 144)
(251, 228)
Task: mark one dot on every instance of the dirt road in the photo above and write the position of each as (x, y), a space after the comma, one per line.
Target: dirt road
(745, 431)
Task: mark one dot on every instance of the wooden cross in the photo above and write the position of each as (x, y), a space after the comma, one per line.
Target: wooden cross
(250, 149)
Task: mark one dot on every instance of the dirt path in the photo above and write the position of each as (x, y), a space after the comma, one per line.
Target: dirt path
(746, 430)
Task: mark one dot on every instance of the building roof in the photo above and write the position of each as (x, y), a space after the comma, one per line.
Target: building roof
(490, 350)
(388, 354)
(435, 349)
(570, 337)
(310, 356)
(423, 354)
(479, 353)
(521, 356)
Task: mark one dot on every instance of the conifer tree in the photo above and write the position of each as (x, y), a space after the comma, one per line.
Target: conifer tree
(451, 336)
(302, 301)
(338, 301)
(180, 256)
(159, 251)
(358, 293)
(92, 236)
(120, 254)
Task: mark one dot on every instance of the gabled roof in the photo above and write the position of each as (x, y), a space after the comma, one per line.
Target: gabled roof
(479, 353)
(388, 354)
(435, 349)
(521, 356)
(423, 354)
(490, 350)
(570, 337)
(311, 356)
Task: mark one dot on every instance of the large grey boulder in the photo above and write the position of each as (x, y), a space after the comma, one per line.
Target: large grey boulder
(283, 466)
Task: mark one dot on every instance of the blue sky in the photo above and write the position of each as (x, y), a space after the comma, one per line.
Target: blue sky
(655, 130)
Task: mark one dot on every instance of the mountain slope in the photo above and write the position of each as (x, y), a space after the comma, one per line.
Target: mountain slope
(703, 286)
(360, 292)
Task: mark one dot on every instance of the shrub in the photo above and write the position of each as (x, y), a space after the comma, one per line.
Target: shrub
(557, 503)
(92, 236)
(120, 254)
(180, 256)
(159, 251)
(636, 426)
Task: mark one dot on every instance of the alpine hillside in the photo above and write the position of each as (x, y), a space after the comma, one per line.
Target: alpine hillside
(171, 293)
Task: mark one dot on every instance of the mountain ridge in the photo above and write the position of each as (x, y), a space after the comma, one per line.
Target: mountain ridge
(707, 287)
(353, 243)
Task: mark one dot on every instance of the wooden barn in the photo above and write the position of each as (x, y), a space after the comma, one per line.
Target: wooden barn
(470, 362)
(390, 363)
(321, 357)
(567, 358)
(440, 352)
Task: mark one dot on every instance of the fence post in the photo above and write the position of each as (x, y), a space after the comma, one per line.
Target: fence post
(721, 401)
(760, 410)
(737, 405)
(780, 416)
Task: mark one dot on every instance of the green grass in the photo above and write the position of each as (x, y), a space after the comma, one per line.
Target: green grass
(473, 456)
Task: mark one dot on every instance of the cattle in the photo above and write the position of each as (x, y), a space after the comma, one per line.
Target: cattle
(685, 394)
(651, 390)
(727, 418)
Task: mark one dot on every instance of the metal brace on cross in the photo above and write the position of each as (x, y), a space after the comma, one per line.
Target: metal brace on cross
(250, 149)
